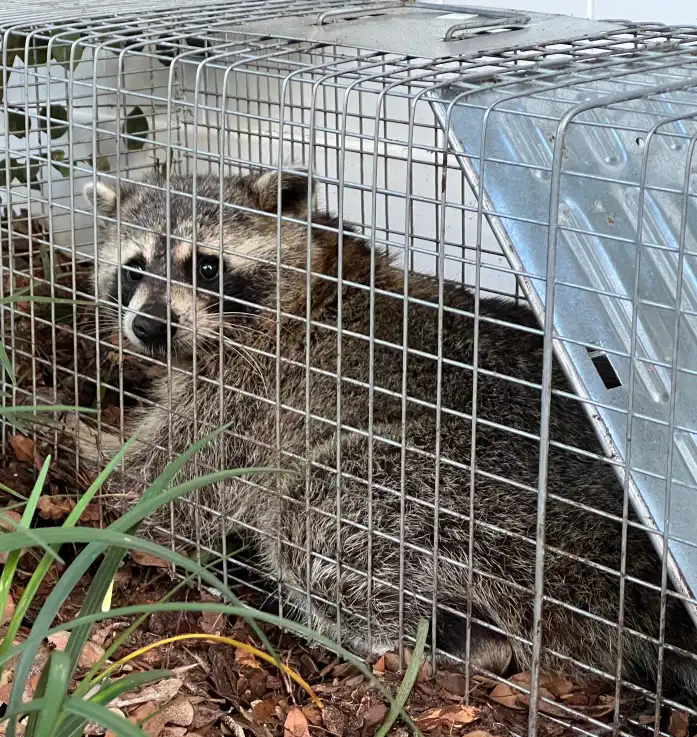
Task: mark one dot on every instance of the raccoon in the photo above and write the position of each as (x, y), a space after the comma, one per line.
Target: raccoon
(351, 449)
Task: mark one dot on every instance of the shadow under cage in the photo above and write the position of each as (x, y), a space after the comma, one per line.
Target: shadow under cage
(433, 264)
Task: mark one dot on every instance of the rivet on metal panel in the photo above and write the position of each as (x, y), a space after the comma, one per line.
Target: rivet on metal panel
(359, 11)
(511, 23)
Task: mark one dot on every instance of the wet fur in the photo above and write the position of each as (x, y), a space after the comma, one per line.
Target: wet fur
(305, 514)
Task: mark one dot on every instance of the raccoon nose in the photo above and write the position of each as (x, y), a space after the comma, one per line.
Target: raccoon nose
(151, 327)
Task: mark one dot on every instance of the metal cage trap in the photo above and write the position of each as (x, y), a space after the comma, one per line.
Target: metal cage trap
(542, 158)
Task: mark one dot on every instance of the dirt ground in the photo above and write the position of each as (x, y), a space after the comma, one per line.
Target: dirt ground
(217, 689)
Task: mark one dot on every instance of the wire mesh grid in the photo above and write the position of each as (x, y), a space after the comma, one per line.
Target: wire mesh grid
(447, 468)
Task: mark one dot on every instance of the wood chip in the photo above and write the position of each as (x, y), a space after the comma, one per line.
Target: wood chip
(446, 716)
(163, 690)
(296, 724)
(334, 720)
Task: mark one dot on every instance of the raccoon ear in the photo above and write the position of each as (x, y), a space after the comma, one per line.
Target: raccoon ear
(101, 198)
(293, 190)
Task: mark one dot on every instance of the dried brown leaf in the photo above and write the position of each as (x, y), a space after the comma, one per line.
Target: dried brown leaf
(154, 726)
(264, 711)
(23, 448)
(146, 559)
(374, 715)
(243, 657)
(560, 687)
(506, 695)
(213, 623)
(9, 514)
(379, 667)
(543, 706)
(446, 716)
(479, 733)
(453, 682)
(55, 507)
(679, 723)
(91, 653)
(296, 724)
(313, 714)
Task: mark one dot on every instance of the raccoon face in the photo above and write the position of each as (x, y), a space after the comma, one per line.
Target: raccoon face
(187, 288)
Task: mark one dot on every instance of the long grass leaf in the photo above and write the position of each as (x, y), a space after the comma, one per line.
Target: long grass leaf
(8, 570)
(87, 680)
(99, 714)
(5, 361)
(232, 611)
(53, 687)
(25, 409)
(96, 592)
(44, 564)
(408, 681)
(73, 725)
(129, 522)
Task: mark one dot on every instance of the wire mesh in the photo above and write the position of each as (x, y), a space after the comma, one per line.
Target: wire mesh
(449, 469)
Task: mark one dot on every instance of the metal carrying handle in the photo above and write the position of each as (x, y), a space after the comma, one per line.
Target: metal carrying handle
(361, 10)
(512, 22)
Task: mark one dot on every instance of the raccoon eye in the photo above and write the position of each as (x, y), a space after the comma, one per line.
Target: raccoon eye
(134, 271)
(208, 268)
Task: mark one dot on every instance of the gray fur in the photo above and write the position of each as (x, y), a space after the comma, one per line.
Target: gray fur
(503, 579)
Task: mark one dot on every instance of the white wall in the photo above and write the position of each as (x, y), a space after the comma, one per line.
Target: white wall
(673, 11)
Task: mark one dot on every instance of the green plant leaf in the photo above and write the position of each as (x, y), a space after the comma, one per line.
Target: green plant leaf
(408, 681)
(44, 565)
(62, 49)
(74, 725)
(53, 688)
(98, 714)
(8, 570)
(38, 52)
(55, 119)
(18, 123)
(15, 45)
(136, 124)
(57, 157)
(6, 362)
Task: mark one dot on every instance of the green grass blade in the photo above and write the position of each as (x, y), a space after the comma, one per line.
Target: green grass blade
(408, 681)
(22, 409)
(53, 687)
(86, 682)
(8, 570)
(129, 521)
(96, 592)
(12, 492)
(98, 714)
(131, 682)
(5, 360)
(73, 725)
(28, 707)
(96, 485)
(105, 575)
(44, 564)
(19, 296)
